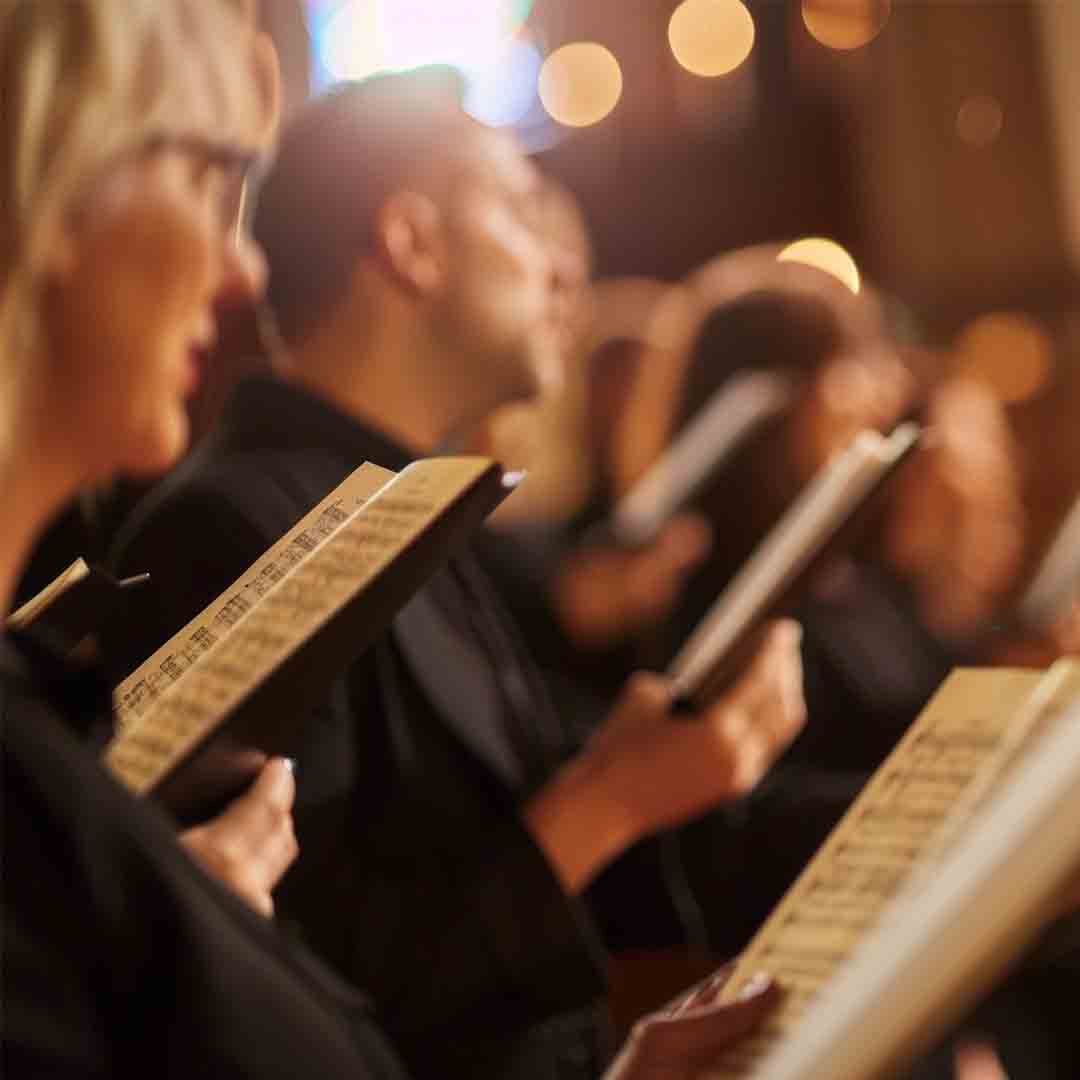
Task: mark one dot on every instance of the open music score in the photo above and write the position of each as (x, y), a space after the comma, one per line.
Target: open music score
(271, 616)
(966, 742)
(161, 669)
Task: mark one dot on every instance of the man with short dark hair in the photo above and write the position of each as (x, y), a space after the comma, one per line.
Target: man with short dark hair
(447, 824)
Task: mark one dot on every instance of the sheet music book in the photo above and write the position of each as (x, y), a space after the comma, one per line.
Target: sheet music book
(739, 408)
(161, 669)
(718, 649)
(940, 873)
(71, 608)
(242, 674)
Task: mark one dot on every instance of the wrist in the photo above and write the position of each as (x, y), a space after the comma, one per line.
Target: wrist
(579, 823)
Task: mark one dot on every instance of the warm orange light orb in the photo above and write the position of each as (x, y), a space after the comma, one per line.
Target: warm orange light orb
(580, 84)
(824, 255)
(845, 24)
(1009, 352)
(711, 37)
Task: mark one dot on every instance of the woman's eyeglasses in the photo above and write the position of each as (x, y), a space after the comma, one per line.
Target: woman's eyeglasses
(237, 165)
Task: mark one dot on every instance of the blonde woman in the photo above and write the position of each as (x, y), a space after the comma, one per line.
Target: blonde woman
(124, 130)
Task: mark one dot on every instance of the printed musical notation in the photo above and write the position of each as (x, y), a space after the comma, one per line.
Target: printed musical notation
(963, 744)
(316, 570)
(134, 696)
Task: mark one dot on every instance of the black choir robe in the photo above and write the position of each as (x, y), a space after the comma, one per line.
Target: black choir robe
(121, 958)
(416, 879)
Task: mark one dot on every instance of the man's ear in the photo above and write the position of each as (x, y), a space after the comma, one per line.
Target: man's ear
(408, 241)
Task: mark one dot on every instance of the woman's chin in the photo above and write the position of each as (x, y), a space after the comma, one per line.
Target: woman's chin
(159, 452)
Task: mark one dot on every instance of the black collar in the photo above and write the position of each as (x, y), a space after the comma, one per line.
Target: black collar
(266, 413)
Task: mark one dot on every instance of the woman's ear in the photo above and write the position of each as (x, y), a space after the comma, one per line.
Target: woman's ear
(60, 256)
(408, 242)
(267, 64)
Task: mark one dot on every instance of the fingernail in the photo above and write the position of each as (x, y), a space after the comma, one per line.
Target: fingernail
(755, 987)
(979, 1062)
(290, 764)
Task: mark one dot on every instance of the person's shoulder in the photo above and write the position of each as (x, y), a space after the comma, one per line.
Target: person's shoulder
(251, 497)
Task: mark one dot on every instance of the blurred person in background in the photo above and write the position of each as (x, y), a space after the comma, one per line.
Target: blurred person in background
(591, 614)
(544, 437)
(661, 396)
(639, 392)
(955, 530)
(884, 627)
(745, 313)
(918, 594)
(578, 605)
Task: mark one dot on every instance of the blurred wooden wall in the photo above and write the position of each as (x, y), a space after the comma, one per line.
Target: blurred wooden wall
(960, 225)
(1059, 23)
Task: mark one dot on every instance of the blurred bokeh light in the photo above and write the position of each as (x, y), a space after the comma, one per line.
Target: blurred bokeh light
(505, 91)
(358, 38)
(826, 255)
(845, 24)
(1009, 352)
(349, 41)
(580, 83)
(711, 37)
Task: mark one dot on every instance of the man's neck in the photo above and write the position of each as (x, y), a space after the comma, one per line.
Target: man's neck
(386, 377)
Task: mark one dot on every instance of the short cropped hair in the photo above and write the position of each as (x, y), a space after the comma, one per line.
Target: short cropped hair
(769, 328)
(340, 159)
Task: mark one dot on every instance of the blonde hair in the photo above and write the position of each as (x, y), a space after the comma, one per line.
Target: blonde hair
(85, 80)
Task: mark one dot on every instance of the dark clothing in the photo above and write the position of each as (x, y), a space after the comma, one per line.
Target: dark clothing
(711, 883)
(1030, 1019)
(120, 956)
(870, 667)
(84, 527)
(417, 878)
(523, 562)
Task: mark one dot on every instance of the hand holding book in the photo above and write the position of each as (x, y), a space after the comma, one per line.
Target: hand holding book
(251, 844)
(641, 772)
(674, 1042)
(959, 850)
